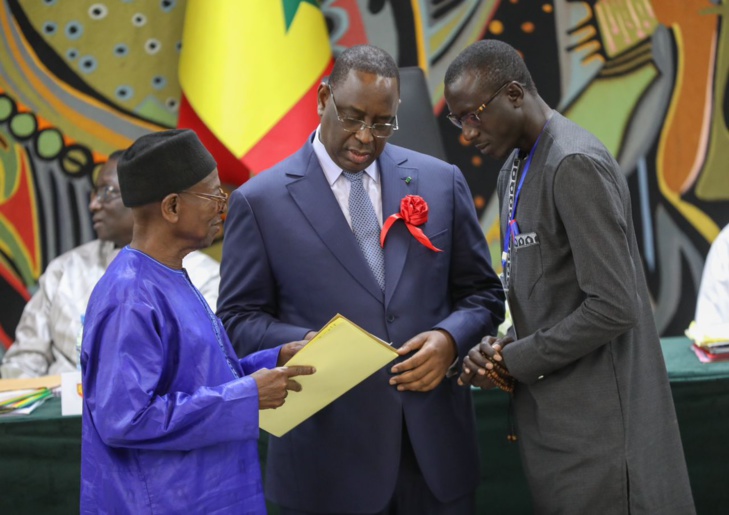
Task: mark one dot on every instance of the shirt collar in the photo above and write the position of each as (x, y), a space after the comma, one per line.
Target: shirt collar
(330, 168)
(108, 252)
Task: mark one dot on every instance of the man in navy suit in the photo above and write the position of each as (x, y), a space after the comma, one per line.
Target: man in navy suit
(302, 244)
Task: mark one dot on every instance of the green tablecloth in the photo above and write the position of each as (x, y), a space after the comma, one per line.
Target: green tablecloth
(683, 365)
(40, 464)
(701, 395)
(40, 453)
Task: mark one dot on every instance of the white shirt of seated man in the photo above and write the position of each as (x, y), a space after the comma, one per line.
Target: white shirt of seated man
(712, 306)
(45, 338)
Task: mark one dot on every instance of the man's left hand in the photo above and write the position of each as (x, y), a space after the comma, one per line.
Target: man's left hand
(423, 371)
(288, 350)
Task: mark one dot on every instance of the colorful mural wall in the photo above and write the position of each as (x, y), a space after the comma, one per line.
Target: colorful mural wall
(81, 78)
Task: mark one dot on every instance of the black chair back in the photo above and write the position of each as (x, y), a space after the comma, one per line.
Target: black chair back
(418, 125)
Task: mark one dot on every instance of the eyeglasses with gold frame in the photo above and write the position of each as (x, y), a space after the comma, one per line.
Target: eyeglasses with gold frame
(221, 199)
(473, 119)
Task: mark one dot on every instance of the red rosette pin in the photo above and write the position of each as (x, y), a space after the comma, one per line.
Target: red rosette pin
(414, 212)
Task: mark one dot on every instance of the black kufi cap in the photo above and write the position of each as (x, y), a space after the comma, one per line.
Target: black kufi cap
(161, 163)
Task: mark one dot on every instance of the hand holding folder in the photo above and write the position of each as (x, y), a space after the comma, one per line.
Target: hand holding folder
(344, 355)
(274, 385)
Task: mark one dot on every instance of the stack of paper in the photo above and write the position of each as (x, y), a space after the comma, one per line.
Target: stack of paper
(344, 355)
(22, 402)
(22, 396)
(710, 343)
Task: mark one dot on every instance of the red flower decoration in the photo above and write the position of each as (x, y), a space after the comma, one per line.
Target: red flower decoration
(414, 212)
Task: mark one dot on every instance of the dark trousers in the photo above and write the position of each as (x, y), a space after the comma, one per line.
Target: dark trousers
(412, 495)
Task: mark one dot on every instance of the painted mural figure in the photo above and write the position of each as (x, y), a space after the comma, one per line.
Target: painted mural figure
(594, 415)
(170, 420)
(298, 250)
(45, 339)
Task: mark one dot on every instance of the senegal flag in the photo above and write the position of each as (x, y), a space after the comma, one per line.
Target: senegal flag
(249, 72)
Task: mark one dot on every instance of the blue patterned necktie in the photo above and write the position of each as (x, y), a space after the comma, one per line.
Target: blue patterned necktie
(365, 226)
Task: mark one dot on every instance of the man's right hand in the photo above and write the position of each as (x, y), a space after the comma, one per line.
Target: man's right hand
(273, 385)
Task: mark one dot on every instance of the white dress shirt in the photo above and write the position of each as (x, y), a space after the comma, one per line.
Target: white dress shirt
(340, 184)
(45, 338)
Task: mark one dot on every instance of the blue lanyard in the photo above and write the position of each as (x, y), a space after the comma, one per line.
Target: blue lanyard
(512, 227)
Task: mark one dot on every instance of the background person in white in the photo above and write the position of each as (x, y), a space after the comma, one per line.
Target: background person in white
(45, 338)
(712, 306)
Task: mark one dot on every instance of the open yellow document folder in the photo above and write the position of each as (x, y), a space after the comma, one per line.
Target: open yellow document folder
(344, 355)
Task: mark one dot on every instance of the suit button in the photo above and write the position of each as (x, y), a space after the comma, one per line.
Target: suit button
(390, 319)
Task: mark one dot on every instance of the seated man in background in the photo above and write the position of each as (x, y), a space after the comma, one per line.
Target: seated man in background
(170, 419)
(712, 306)
(45, 339)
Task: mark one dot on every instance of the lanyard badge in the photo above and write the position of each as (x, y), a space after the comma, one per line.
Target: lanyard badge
(512, 227)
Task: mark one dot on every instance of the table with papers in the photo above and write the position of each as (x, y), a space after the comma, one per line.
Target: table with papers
(40, 453)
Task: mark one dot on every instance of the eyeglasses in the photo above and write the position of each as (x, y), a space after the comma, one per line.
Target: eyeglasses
(472, 119)
(378, 130)
(221, 199)
(105, 193)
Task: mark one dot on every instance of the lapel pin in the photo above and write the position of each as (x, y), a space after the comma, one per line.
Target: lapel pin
(408, 179)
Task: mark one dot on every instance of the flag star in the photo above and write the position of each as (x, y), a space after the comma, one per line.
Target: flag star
(291, 7)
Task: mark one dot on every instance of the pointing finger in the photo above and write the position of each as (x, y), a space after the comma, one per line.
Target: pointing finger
(298, 371)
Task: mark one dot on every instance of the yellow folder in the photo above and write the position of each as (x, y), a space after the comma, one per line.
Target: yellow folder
(344, 355)
(33, 382)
